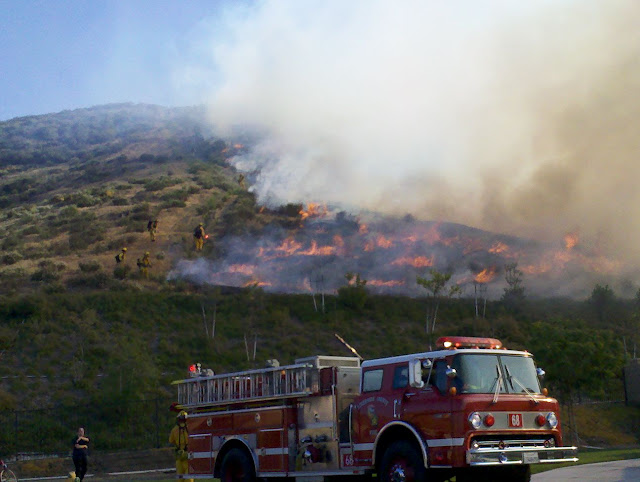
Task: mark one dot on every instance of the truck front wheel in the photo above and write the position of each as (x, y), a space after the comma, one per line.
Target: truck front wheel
(402, 462)
(237, 467)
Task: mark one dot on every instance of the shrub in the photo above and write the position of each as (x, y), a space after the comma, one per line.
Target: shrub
(54, 288)
(176, 203)
(160, 183)
(92, 234)
(60, 248)
(30, 230)
(57, 199)
(11, 257)
(119, 201)
(177, 194)
(10, 241)
(121, 271)
(89, 267)
(119, 243)
(141, 212)
(84, 200)
(46, 274)
(93, 280)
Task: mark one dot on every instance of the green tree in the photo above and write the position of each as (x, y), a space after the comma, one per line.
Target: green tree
(354, 294)
(436, 287)
(514, 292)
(579, 362)
(602, 299)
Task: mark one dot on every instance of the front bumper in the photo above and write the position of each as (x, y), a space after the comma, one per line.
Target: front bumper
(520, 455)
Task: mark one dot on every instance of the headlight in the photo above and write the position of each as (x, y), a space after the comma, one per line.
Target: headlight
(552, 420)
(475, 420)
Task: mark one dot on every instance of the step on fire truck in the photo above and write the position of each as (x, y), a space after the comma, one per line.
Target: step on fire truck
(471, 409)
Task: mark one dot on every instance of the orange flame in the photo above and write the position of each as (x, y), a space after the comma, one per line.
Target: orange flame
(313, 211)
(314, 250)
(390, 283)
(498, 248)
(383, 242)
(571, 240)
(486, 275)
(417, 262)
(289, 246)
(238, 146)
(256, 283)
(245, 269)
(544, 267)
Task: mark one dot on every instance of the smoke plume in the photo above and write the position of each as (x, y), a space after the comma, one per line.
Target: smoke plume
(515, 117)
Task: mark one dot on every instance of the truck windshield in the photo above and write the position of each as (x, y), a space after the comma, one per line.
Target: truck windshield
(484, 373)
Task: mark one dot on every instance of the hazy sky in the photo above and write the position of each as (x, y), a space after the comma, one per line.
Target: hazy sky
(517, 117)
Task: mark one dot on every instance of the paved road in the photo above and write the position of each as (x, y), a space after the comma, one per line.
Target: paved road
(618, 471)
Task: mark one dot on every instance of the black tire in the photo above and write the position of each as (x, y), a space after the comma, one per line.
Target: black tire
(402, 462)
(237, 466)
(8, 476)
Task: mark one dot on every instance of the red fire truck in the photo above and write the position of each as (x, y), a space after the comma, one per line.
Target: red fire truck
(470, 409)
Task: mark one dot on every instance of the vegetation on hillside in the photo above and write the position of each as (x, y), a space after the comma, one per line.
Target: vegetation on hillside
(77, 330)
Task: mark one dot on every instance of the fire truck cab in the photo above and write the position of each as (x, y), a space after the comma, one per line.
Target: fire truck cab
(470, 409)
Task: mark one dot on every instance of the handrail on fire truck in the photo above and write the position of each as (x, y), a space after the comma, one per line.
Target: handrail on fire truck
(261, 384)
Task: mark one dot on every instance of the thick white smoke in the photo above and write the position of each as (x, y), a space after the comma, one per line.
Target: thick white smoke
(509, 117)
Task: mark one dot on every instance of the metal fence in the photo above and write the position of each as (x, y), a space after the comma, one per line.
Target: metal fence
(139, 424)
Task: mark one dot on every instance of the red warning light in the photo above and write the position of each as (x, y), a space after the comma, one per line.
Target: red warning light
(192, 368)
(453, 342)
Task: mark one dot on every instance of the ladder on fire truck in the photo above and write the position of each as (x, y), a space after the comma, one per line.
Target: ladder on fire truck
(261, 384)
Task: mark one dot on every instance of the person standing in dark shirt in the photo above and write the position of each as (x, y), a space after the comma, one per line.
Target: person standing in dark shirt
(80, 449)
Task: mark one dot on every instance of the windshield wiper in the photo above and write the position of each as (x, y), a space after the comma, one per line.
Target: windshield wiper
(498, 384)
(525, 389)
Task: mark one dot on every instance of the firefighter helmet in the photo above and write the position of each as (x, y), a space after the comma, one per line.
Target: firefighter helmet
(182, 415)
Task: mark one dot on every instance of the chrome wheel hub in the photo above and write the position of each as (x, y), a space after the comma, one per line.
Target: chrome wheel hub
(397, 474)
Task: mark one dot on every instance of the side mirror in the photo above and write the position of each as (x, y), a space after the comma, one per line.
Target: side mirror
(415, 374)
(451, 372)
(540, 372)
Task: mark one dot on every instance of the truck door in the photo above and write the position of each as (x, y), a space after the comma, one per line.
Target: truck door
(428, 409)
(370, 411)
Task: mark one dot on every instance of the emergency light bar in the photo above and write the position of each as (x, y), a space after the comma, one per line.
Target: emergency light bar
(195, 370)
(453, 342)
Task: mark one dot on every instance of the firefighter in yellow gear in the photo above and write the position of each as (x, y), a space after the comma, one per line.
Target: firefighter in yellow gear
(241, 182)
(152, 227)
(144, 264)
(120, 256)
(198, 237)
(178, 438)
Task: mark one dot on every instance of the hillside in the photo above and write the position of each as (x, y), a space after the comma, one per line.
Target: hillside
(85, 339)
(76, 187)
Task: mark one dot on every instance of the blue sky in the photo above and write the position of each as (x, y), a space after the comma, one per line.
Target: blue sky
(65, 54)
